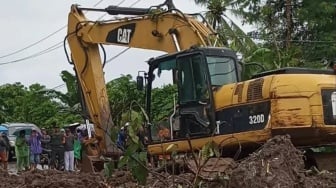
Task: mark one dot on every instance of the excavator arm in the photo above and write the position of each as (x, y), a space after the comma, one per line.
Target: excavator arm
(155, 31)
(167, 31)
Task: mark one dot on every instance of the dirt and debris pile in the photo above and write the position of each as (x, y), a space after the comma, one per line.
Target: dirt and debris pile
(164, 180)
(122, 178)
(8, 180)
(55, 179)
(51, 179)
(277, 164)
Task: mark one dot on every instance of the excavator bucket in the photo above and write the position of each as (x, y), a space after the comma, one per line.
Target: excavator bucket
(93, 162)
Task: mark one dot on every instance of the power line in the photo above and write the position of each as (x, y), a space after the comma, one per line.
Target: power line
(41, 40)
(59, 45)
(57, 87)
(136, 2)
(33, 44)
(119, 54)
(125, 50)
(241, 36)
(46, 89)
(47, 50)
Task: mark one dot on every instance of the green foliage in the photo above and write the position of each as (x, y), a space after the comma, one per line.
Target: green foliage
(298, 33)
(136, 161)
(35, 104)
(122, 92)
(163, 101)
(72, 97)
(139, 171)
(210, 149)
(108, 168)
(10, 96)
(127, 106)
(229, 33)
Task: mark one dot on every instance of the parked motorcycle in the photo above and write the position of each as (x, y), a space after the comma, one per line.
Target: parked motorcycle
(45, 158)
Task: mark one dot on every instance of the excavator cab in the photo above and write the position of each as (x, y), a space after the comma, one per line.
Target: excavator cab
(197, 73)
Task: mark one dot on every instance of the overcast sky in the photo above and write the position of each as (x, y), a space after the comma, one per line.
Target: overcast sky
(26, 22)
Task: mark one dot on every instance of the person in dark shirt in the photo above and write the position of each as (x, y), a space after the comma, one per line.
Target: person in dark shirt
(45, 139)
(46, 151)
(57, 140)
(69, 151)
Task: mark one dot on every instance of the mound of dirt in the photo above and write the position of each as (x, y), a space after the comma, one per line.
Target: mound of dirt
(122, 179)
(51, 179)
(56, 179)
(8, 180)
(277, 164)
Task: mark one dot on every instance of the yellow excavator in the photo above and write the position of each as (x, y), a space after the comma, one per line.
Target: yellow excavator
(213, 102)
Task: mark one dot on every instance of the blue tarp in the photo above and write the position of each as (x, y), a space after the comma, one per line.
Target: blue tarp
(3, 128)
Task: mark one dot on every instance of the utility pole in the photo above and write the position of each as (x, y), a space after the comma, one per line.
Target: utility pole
(289, 23)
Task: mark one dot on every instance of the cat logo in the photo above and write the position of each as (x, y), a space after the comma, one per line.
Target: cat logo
(122, 34)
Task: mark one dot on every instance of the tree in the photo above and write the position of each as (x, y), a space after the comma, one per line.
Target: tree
(35, 104)
(122, 92)
(163, 102)
(230, 34)
(318, 19)
(72, 97)
(297, 33)
(9, 93)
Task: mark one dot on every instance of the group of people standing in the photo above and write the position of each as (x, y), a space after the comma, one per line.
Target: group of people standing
(29, 150)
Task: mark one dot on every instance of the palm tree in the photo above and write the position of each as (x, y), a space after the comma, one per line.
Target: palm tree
(230, 34)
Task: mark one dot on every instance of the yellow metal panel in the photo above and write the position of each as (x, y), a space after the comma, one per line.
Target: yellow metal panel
(290, 112)
(221, 140)
(291, 85)
(189, 33)
(224, 96)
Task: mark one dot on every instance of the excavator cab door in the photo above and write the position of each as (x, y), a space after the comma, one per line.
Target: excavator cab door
(195, 103)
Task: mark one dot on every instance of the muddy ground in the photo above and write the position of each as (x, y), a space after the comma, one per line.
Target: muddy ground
(277, 164)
